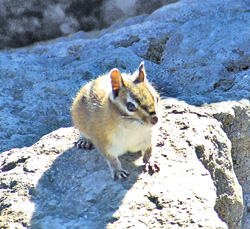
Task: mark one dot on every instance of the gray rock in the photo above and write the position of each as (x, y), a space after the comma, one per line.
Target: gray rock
(195, 52)
(54, 185)
(208, 49)
(23, 23)
(188, 49)
(235, 119)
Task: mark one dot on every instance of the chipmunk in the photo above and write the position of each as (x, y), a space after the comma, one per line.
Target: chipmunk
(117, 113)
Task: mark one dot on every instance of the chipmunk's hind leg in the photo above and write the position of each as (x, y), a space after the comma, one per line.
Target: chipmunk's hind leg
(84, 143)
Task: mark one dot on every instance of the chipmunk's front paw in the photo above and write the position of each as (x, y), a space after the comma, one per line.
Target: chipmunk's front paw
(152, 167)
(83, 143)
(121, 175)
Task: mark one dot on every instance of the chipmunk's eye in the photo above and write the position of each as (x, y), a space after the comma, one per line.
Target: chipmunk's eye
(157, 99)
(131, 107)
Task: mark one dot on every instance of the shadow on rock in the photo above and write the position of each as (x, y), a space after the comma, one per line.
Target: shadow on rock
(52, 185)
(78, 191)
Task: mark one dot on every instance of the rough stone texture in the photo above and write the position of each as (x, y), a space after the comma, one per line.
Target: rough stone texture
(54, 185)
(25, 22)
(235, 118)
(204, 52)
(195, 52)
(187, 47)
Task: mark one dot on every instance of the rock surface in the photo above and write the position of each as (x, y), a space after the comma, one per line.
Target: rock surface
(26, 22)
(195, 52)
(235, 119)
(54, 185)
(187, 47)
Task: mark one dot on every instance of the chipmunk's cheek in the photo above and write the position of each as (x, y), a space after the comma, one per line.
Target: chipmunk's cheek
(146, 120)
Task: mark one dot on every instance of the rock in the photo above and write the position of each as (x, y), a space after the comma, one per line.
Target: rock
(189, 53)
(23, 23)
(203, 52)
(55, 185)
(198, 53)
(235, 119)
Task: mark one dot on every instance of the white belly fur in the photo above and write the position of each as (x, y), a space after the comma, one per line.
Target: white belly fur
(131, 139)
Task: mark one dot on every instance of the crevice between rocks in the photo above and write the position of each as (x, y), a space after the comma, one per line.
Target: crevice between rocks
(156, 49)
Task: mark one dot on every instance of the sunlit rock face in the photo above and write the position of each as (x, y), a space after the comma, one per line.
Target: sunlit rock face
(197, 53)
(56, 185)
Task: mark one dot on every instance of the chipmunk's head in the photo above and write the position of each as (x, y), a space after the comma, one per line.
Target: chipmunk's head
(133, 97)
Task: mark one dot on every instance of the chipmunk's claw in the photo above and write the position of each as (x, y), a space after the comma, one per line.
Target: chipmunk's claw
(121, 175)
(152, 167)
(84, 144)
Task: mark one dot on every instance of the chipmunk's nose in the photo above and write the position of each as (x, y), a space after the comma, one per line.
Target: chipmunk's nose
(154, 120)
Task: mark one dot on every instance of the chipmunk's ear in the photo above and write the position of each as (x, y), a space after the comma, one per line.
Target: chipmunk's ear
(142, 73)
(116, 81)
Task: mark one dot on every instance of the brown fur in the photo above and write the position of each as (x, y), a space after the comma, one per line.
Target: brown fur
(99, 112)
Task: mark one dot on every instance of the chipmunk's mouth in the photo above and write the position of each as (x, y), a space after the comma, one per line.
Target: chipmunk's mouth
(144, 121)
(134, 120)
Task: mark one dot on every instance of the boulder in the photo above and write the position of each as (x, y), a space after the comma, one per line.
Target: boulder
(235, 119)
(24, 23)
(52, 184)
(188, 51)
(195, 52)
